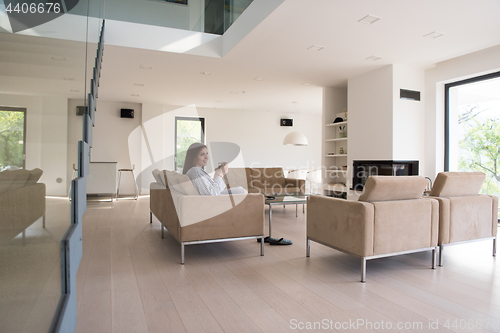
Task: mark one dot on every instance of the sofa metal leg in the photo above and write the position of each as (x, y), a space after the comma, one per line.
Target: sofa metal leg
(150, 217)
(162, 232)
(440, 262)
(308, 248)
(363, 269)
(494, 246)
(182, 253)
(43, 223)
(262, 246)
(434, 257)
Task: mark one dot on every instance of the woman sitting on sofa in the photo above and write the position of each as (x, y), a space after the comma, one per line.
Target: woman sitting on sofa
(196, 159)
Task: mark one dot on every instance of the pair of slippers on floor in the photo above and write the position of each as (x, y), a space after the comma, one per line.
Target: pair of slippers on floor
(276, 241)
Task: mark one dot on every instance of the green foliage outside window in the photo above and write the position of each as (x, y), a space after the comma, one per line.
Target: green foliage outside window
(11, 138)
(188, 132)
(480, 149)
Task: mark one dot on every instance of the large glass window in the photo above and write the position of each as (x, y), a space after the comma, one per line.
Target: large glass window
(473, 128)
(187, 132)
(12, 138)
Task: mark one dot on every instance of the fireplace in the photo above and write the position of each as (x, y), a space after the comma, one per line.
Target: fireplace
(363, 169)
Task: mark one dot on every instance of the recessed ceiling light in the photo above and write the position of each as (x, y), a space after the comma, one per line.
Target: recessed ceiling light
(234, 92)
(369, 19)
(259, 79)
(146, 67)
(135, 95)
(69, 78)
(205, 73)
(58, 58)
(433, 35)
(306, 84)
(373, 58)
(315, 48)
(139, 84)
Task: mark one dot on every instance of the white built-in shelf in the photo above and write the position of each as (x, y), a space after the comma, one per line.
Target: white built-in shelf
(336, 155)
(337, 139)
(337, 124)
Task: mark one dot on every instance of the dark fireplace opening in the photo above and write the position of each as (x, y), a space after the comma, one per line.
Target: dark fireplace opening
(363, 169)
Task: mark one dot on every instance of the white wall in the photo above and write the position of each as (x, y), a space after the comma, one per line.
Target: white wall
(370, 103)
(408, 116)
(382, 126)
(460, 68)
(111, 139)
(46, 137)
(258, 134)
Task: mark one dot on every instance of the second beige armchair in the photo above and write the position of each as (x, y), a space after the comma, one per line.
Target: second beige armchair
(464, 214)
(390, 218)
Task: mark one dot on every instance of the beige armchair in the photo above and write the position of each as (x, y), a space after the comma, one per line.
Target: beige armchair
(197, 219)
(464, 214)
(389, 219)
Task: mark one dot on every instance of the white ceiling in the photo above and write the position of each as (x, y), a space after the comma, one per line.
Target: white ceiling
(276, 50)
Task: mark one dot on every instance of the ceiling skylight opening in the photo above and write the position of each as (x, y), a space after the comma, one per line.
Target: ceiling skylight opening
(134, 95)
(433, 35)
(146, 67)
(205, 73)
(259, 79)
(315, 48)
(373, 58)
(139, 84)
(369, 19)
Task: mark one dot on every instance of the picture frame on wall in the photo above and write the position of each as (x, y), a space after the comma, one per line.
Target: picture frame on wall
(181, 2)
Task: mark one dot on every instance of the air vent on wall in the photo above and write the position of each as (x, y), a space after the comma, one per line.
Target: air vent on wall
(286, 122)
(409, 94)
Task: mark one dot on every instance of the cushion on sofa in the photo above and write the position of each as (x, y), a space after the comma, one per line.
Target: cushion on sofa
(273, 177)
(158, 176)
(455, 184)
(35, 175)
(13, 179)
(385, 188)
(236, 177)
(180, 182)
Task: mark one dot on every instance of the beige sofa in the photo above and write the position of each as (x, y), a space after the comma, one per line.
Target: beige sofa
(268, 181)
(195, 219)
(22, 201)
(464, 214)
(390, 218)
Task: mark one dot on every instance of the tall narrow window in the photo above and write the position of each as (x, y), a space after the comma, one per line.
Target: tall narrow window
(187, 131)
(473, 128)
(12, 138)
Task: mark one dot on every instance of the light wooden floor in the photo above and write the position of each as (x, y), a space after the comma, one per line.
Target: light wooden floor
(131, 280)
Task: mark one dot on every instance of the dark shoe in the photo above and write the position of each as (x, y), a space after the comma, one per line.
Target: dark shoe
(266, 239)
(281, 241)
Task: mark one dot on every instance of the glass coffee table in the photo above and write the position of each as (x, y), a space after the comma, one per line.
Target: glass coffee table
(284, 199)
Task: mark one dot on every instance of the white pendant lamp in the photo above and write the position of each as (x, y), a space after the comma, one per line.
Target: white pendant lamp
(295, 139)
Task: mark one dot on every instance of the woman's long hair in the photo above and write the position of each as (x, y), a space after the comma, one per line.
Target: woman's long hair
(192, 155)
